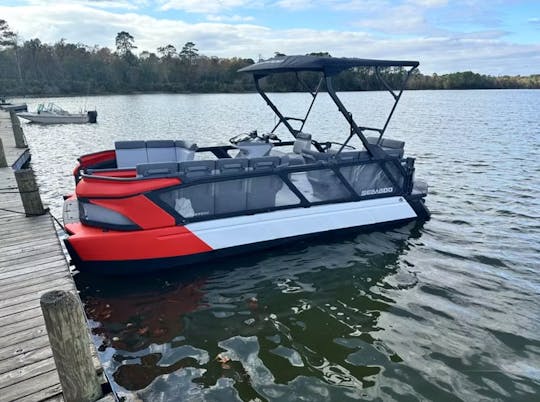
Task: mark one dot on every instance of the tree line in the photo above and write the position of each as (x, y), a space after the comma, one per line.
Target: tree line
(35, 68)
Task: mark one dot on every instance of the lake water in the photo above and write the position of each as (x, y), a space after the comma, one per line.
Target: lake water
(446, 310)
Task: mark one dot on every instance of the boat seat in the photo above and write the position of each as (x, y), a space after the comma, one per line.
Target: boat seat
(301, 143)
(130, 153)
(230, 195)
(157, 169)
(196, 200)
(352, 156)
(161, 151)
(311, 156)
(184, 150)
(324, 182)
(391, 147)
(262, 190)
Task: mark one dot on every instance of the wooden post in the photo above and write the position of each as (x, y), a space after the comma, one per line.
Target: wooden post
(68, 335)
(20, 141)
(3, 161)
(26, 181)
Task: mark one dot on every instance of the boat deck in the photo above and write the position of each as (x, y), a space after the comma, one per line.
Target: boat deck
(31, 263)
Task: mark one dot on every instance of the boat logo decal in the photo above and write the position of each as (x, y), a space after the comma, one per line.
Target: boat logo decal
(383, 190)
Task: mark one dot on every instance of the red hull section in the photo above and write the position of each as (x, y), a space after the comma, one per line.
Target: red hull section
(98, 187)
(94, 244)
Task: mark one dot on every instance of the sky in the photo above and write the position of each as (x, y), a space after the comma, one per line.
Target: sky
(490, 37)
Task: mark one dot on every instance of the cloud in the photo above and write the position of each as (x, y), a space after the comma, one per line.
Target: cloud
(535, 21)
(203, 6)
(105, 4)
(483, 51)
(429, 3)
(229, 18)
(295, 4)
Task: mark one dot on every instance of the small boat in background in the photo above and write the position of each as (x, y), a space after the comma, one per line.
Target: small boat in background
(54, 114)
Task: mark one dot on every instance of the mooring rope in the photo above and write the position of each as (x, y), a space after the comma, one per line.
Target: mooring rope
(47, 210)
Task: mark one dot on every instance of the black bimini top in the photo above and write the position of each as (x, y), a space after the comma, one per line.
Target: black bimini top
(325, 64)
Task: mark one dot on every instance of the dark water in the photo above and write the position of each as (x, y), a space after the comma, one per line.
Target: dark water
(448, 310)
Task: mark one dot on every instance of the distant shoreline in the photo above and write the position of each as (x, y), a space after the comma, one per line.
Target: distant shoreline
(74, 94)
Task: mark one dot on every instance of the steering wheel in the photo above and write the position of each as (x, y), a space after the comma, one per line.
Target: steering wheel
(254, 136)
(270, 137)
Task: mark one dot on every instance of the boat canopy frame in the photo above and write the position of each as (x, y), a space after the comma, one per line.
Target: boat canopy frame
(329, 67)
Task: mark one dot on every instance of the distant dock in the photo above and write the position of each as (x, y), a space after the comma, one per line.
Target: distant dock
(31, 264)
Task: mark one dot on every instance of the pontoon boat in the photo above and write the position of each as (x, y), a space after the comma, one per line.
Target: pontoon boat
(146, 205)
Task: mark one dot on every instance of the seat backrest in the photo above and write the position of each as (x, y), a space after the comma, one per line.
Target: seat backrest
(130, 153)
(200, 197)
(390, 146)
(157, 169)
(349, 156)
(161, 151)
(230, 195)
(261, 191)
(184, 151)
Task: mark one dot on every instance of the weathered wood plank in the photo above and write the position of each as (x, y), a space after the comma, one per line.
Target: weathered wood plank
(19, 316)
(26, 372)
(23, 325)
(40, 270)
(15, 339)
(22, 307)
(14, 301)
(24, 347)
(64, 282)
(32, 279)
(36, 389)
(25, 359)
(30, 256)
(60, 398)
(23, 267)
(29, 248)
(28, 239)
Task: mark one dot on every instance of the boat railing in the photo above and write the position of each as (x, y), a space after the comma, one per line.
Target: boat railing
(216, 189)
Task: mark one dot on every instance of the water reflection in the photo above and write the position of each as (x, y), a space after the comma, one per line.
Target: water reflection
(301, 320)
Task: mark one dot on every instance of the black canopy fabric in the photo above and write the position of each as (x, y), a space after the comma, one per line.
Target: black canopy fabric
(327, 65)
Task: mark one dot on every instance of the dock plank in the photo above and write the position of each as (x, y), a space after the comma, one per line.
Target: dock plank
(31, 263)
(24, 347)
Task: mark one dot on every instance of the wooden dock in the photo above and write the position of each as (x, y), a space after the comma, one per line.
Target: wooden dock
(31, 264)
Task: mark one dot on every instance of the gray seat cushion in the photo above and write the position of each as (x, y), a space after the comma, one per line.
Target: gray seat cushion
(161, 151)
(130, 153)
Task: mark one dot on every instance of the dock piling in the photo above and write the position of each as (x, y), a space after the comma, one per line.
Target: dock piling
(28, 188)
(68, 336)
(20, 141)
(3, 160)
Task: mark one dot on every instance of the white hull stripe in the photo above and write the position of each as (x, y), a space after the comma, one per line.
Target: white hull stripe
(242, 230)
